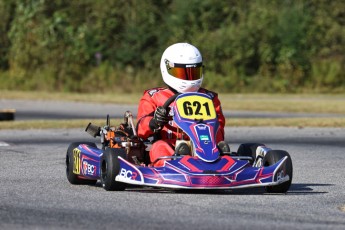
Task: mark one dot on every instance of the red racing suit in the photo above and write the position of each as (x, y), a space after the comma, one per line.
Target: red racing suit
(155, 97)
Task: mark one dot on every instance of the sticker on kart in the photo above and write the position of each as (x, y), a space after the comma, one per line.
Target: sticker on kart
(196, 107)
(76, 161)
(128, 172)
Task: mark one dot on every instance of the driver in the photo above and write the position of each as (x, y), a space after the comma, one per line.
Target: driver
(182, 71)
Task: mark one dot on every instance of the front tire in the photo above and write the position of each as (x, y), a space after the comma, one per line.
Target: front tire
(273, 157)
(71, 177)
(110, 167)
(248, 150)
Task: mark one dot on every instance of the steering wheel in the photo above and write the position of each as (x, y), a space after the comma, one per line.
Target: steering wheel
(170, 100)
(167, 103)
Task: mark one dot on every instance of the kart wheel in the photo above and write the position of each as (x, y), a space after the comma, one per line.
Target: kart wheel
(273, 157)
(110, 167)
(248, 150)
(74, 178)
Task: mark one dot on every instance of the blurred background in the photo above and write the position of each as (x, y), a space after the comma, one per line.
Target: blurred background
(115, 45)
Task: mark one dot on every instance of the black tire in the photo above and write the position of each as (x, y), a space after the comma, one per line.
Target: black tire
(7, 114)
(273, 157)
(248, 150)
(110, 167)
(74, 178)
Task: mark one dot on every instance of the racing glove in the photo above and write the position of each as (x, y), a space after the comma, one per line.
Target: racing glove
(160, 118)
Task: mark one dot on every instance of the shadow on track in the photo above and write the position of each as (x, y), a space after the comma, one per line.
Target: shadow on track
(295, 189)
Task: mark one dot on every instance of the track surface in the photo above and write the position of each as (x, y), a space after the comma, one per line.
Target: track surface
(35, 194)
(33, 110)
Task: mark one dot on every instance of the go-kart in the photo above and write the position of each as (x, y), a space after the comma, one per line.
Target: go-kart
(123, 159)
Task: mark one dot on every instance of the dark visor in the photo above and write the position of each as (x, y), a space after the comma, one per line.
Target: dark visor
(185, 71)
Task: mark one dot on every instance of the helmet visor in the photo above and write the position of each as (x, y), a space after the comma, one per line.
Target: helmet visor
(185, 71)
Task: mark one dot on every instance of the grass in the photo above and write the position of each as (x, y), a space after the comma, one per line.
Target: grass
(301, 103)
(289, 122)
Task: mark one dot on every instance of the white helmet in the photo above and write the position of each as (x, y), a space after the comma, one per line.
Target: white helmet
(181, 67)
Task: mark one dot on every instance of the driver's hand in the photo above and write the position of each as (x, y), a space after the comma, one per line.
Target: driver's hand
(160, 118)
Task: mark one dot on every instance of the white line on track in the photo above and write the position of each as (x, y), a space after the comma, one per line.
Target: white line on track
(3, 144)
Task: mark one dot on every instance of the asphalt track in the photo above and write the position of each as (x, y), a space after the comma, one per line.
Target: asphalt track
(38, 110)
(35, 193)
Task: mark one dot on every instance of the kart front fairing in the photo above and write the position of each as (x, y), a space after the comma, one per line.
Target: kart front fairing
(192, 173)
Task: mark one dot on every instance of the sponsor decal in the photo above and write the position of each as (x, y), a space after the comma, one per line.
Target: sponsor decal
(188, 66)
(280, 175)
(204, 138)
(152, 92)
(128, 174)
(89, 169)
(76, 161)
(204, 127)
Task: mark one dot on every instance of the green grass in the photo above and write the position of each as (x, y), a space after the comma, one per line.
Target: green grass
(301, 103)
(289, 122)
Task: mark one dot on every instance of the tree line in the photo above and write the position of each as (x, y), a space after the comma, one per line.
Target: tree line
(115, 45)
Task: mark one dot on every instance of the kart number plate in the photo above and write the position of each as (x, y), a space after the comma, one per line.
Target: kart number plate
(196, 107)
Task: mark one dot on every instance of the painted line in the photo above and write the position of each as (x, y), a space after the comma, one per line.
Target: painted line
(3, 144)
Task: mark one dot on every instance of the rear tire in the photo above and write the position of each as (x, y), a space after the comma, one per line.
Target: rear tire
(248, 150)
(71, 177)
(273, 157)
(110, 167)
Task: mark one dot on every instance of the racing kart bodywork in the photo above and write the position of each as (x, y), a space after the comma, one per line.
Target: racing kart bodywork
(123, 159)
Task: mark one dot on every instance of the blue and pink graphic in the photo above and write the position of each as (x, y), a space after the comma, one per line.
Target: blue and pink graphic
(205, 168)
